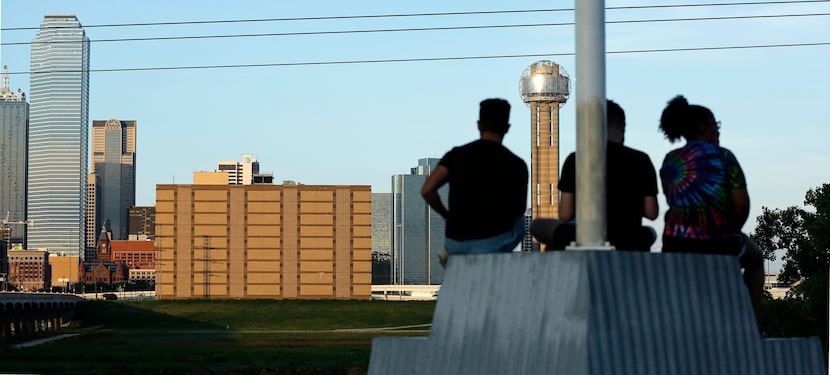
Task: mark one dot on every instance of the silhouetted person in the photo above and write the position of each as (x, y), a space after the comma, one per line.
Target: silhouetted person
(706, 192)
(631, 194)
(487, 189)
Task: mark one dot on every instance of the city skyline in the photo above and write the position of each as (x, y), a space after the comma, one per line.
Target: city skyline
(58, 136)
(301, 119)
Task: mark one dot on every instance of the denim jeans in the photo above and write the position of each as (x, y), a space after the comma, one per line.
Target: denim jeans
(502, 243)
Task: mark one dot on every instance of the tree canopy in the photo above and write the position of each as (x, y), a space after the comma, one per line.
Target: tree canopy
(804, 234)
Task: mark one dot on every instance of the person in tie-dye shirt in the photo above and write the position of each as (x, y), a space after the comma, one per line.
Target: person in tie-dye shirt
(706, 193)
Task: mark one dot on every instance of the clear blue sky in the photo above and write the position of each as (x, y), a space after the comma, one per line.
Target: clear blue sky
(362, 123)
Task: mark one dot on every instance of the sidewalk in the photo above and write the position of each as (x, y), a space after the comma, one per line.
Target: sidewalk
(43, 340)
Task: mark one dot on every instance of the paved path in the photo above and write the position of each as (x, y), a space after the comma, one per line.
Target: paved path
(43, 340)
(347, 330)
(341, 330)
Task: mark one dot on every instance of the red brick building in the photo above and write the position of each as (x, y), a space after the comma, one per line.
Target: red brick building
(104, 273)
(29, 270)
(114, 260)
(136, 254)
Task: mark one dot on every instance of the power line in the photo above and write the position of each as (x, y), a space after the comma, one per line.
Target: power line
(400, 15)
(446, 28)
(426, 59)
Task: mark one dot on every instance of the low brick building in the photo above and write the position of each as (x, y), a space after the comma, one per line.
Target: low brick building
(104, 273)
(29, 270)
(133, 253)
(115, 262)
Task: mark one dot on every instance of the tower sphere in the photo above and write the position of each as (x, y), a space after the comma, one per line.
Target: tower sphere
(545, 82)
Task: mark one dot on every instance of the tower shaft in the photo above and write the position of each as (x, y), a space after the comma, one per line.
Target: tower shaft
(545, 159)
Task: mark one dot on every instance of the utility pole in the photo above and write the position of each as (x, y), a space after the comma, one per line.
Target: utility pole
(158, 251)
(206, 261)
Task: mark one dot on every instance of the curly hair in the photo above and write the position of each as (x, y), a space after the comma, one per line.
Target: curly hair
(680, 119)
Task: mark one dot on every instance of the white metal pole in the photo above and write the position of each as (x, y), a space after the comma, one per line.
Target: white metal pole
(590, 125)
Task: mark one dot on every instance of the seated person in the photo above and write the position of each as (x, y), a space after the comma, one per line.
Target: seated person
(631, 191)
(487, 189)
(707, 194)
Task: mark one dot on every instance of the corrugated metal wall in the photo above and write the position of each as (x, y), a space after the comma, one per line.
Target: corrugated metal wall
(586, 312)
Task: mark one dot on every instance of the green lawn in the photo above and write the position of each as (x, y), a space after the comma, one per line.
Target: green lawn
(220, 337)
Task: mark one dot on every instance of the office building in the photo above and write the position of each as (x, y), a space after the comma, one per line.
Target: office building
(263, 241)
(29, 270)
(135, 254)
(91, 218)
(382, 223)
(14, 138)
(417, 230)
(58, 135)
(381, 238)
(113, 161)
(64, 272)
(4, 264)
(245, 172)
(229, 172)
(143, 221)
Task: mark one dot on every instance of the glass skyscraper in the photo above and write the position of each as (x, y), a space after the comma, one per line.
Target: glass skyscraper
(58, 135)
(417, 230)
(14, 132)
(113, 160)
(381, 238)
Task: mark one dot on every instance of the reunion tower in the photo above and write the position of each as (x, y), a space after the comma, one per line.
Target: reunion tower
(544, 87)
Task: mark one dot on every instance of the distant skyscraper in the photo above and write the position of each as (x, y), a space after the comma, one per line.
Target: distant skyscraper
(381, 237)
(91, 217)
(113, 160)
(58, 135)
(527, 243)
(417, 232)
(232, 172)
(143, 221)
(14, 133)
(382, 223)
(245, 172)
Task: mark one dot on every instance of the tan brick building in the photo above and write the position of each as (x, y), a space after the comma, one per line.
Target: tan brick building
(64, 270)
(263, 241)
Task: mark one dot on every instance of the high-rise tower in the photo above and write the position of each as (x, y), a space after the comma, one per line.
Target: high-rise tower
(417, 230)
(14, 133)
(544, 87)
(113, 160)
(58, 135)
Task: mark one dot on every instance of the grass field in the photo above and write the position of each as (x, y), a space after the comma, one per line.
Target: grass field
(220, 337)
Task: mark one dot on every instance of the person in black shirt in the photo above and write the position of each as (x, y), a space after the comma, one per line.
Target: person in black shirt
(631, 194)
(487, 189)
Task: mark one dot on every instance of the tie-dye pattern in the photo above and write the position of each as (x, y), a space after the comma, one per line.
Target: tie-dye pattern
(697, 180)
